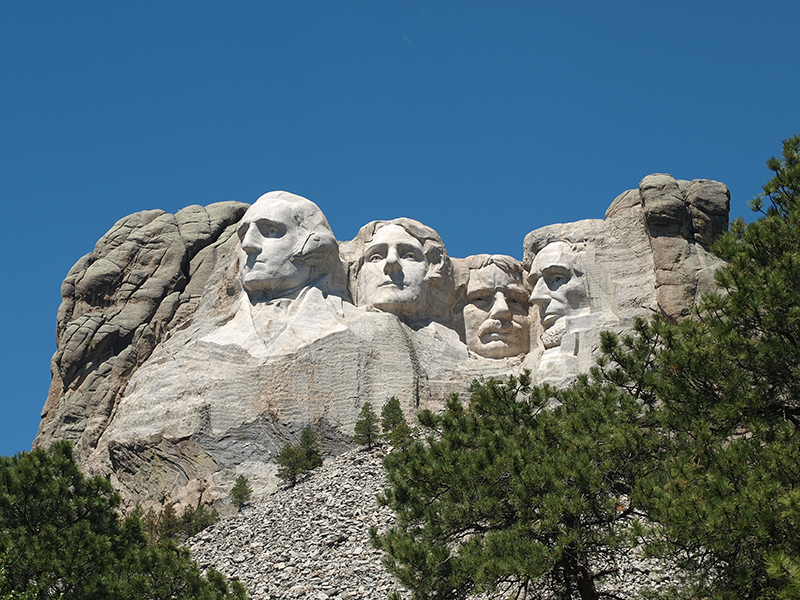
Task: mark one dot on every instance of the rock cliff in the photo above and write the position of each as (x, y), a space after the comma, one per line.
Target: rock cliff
(192, 347)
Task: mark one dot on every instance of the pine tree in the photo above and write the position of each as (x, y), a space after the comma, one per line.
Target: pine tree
(694, 424)
(391, 415)
(726, 391)
(396, 429)
(309, 443)
(197, 518)
(401, 436)
(505, 494)
(61, 536)
(292, 463)
(169, 525)
(366, 430)
(241, 492)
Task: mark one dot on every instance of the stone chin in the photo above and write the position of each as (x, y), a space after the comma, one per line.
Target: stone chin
(498, 347)
(398, 305)
(551, 337)
(551, 319)
(266, 279)
(406, 300)
(495, 340)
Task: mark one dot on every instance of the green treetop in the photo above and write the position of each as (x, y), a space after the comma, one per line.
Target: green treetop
(295, 461)
(694, 425)
(309, 442)
(726, 491)
(506, 494)
(61, 536)
(366, 430)
(241, 492)
(396, 429)
(391, 415)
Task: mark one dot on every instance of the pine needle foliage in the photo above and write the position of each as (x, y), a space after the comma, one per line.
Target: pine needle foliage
(164, 524)
(309, 442)
(197, 518)
(367, 430)
(291, 462)
(391, 415)
(241, 492)
(296, 461)
(511, 492)
(726, 490)
(62, 536)
(396, 429)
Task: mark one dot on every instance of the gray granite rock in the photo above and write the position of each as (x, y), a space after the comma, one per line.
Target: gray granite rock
(143, 278)
(312, 541)
(192, 347)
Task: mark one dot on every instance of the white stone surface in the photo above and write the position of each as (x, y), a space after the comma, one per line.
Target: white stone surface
(192, 347)
(496, 323)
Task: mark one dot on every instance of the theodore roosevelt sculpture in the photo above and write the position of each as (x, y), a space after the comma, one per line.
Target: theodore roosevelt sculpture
(496, 313)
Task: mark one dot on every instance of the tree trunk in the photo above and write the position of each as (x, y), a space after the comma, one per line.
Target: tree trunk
(586, 587)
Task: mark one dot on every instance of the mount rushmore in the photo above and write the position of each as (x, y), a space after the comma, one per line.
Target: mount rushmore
(193, 346)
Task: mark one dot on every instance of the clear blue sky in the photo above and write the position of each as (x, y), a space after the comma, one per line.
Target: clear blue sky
(484, 120)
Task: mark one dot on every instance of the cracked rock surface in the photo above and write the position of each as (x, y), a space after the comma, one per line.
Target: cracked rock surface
(309, 541)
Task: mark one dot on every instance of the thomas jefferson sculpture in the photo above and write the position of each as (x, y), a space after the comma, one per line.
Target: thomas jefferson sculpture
(400, 267)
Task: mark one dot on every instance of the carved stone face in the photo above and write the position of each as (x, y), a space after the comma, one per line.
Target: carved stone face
(496, 314)
(558, 290)
(392, 276)
(269, 237)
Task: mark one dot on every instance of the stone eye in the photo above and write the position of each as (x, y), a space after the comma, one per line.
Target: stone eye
(516, 305)
(269, 230)
(485, 300)
(375, 258)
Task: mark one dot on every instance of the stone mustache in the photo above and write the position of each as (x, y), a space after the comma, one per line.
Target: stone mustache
(192, 347)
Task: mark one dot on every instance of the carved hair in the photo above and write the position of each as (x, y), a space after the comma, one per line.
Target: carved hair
(432, 246)
(574, 254)
(507, 264)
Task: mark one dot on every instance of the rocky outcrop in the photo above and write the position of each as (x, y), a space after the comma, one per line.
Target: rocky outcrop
(649, 255)
(682, 219)
(192, 347)
(144, 278)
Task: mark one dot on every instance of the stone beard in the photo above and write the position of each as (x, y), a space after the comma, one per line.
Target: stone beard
(496, 314)
(559, 290)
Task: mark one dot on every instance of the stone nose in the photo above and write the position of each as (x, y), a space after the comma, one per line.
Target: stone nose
(251, 242)
(392, 263)
(500, 310)
(541, 293)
